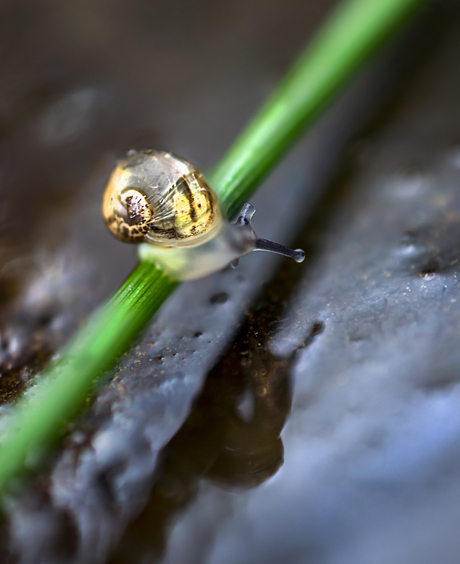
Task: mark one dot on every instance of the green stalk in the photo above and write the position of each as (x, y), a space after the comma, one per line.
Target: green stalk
(346, 40)
(38, 419)
(349, 36)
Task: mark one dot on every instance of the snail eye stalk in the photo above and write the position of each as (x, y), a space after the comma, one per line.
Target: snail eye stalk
(263, 245)
(246, 214)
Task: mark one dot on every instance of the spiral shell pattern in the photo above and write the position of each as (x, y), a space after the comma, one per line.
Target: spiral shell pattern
(161, 199)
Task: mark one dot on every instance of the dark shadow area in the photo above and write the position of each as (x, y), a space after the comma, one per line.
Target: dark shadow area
(231, 437)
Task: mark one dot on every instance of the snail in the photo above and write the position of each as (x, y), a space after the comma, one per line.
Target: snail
(163, 201)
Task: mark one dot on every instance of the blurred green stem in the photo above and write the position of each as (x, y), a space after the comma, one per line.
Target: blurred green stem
(347, 39)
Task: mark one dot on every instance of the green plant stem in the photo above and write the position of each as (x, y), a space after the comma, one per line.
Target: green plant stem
(349, 36)
(38, 419)
(346, 40)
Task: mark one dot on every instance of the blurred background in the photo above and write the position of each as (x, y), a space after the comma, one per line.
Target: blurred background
(276, 413)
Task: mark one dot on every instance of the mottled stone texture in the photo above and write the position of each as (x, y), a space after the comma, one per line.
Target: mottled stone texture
(276, 413)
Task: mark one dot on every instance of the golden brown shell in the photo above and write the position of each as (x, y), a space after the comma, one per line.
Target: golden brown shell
(161, 199)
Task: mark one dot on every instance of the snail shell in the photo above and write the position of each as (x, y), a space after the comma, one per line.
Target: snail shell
(158, 198)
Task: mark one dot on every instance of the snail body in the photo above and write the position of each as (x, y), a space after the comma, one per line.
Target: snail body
(164, 202)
